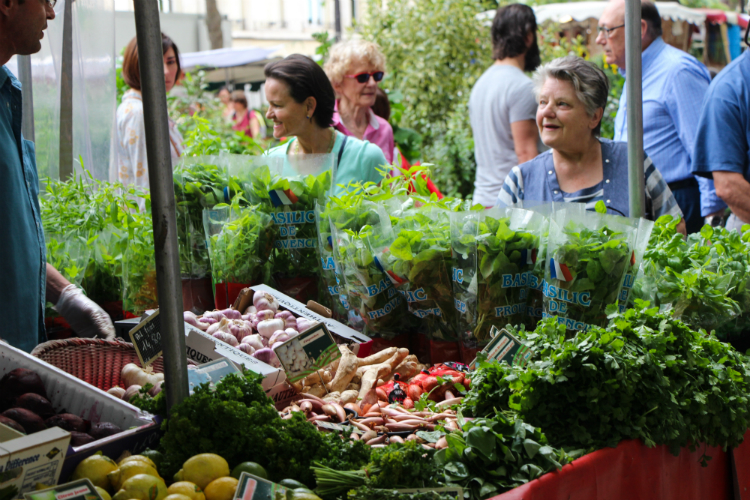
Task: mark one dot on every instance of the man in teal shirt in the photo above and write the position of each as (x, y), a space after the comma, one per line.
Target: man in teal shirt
(26, 280)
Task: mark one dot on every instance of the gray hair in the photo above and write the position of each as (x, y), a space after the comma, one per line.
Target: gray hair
(589, 81)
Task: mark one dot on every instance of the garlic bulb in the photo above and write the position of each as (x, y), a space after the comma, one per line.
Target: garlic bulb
(133, 374)
(116, 391)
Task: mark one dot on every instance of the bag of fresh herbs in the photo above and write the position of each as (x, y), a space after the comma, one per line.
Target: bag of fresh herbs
(371, 295)
(240, 242)
(588, 255)
(505, 243)
(200, 182)
(139, 291)
(330, 280)
(645, 227)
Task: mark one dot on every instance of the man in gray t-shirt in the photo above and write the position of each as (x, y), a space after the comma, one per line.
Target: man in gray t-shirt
(502, 106)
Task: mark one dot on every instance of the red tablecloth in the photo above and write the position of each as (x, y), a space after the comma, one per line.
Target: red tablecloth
(633, 471)
(742, 468)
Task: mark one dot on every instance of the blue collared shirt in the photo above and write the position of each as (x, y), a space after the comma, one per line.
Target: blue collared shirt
(23, 271)
(674, 85)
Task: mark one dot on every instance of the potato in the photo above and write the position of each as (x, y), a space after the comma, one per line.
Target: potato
(18, 382)
(67, 421)
(31, 422)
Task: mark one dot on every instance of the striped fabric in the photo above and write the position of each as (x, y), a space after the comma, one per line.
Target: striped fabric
(659, 198)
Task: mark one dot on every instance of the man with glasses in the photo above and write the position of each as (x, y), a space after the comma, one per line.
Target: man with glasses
(674, 84)
(28, 282)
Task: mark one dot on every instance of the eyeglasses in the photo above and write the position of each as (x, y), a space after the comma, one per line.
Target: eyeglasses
(606, 31)
(365, 77)
(51, 3)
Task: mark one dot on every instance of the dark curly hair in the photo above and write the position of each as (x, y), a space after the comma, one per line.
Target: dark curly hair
(511, 26)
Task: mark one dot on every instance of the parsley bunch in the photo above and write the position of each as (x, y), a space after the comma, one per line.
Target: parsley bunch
(646, 376)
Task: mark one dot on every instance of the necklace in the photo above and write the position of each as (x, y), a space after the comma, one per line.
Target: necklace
(298, 149)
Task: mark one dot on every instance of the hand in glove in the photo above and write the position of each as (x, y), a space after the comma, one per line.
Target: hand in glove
(84, 315)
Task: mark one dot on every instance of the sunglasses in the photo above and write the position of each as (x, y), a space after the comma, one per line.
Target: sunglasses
(365, 77)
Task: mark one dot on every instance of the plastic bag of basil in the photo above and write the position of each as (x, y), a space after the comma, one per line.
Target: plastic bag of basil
(200, 182)
(588, 255)
(371, 295)
(415, 254)
(645, 227)
(494, 253)
(332, 292)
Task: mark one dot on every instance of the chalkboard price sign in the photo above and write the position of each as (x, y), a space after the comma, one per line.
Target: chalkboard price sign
(146, 338)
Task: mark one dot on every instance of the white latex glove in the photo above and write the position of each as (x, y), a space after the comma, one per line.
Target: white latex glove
(84, 315)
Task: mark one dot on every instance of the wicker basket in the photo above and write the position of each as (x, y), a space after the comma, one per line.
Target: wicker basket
(95, 361)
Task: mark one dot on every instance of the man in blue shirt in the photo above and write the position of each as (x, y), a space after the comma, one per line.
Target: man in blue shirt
(722, 144)
(26, 280)
(674, 83)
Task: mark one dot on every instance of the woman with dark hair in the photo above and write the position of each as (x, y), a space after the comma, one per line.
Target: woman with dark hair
(245, 120)
(502, 104)
(301, 104)
(130, 165)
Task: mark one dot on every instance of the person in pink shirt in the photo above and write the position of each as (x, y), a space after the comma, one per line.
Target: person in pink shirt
(355, 67)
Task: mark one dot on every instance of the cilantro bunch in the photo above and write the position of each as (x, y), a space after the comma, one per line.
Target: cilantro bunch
(645, 376)
(491, 455)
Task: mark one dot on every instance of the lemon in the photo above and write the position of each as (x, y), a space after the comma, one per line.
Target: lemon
(142, 487)
(96, 468)
(128, 470)
(188, 489)
(202, 469)
(141, 458)
(221, 489)
(176, 496)
(103, 493)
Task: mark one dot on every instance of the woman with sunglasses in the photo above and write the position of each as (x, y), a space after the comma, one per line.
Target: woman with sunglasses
(301, 105)
(355, 67)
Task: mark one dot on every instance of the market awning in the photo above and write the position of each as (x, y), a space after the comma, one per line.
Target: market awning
(234, 65)
(717, 16)
(580, 11)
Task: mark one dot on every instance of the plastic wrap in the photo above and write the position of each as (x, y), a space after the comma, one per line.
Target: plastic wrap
(645, 227)
(330, 280)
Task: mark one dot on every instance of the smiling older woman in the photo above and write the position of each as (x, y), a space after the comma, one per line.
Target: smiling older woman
(580, 166)
(355, 67)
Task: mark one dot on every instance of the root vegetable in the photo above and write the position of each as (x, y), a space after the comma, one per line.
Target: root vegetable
(450, 402)
(448, 394)
(278, 336)
(353, 387)
(408, 403)
(31, 422)
(371, 421)
(441, 443)
(304, 324)
(322, 418)
(369, 435)
(359, 426)
(117, 392)
(156, 389)
(12, 424)
(251, 310)
(395, 439)
(131, 391)
(372, 373)
(267, 356)
(398, 426)
(354, 436)
(104, 429)
(80, 439)
(352, 406)
(348, 365)
(17, 382)
(265, 301)
(335, 411)
(381, 394)
(317, 390)
(191, 319)
(408, 368)
(246, 348)
(413, 391)
(254, 340)
(231, 314)
(332, 397)
(306, 407)
(379, 356)
(411, 437)
(349, 397)
(377, 440)
(35, 403)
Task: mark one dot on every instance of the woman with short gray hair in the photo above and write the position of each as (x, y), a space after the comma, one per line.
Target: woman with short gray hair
(580, 166)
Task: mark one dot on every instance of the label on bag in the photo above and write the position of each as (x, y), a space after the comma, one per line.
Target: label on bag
(251, 487)
(82, 489)
(505, 347)
(308, 352)
(211, 373)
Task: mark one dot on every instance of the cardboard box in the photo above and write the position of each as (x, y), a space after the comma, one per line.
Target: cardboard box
(26, 461)
(202, 348)
(342, 333)
(75, 396)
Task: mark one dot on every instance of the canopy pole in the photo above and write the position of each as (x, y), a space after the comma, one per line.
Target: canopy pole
(24, 74)
(66, 95)
(633, 83)
(169, 284)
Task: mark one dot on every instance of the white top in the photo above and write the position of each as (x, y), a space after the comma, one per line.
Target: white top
(130, 165)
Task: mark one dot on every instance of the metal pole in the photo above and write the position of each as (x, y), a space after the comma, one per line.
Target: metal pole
(66, 95)
(169, 284)
(24, 74)
(337, 19)
(633, 82)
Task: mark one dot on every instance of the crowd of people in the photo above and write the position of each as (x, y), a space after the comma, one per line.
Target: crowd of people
(537, 139)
